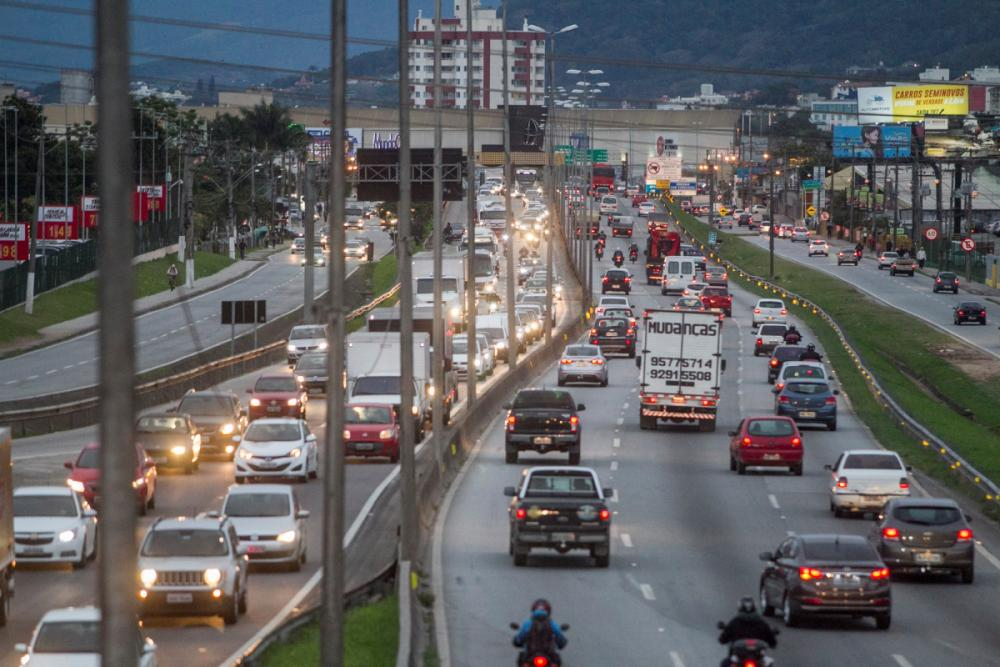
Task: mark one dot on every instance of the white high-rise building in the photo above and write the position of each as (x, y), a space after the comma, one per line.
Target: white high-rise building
(525, 58)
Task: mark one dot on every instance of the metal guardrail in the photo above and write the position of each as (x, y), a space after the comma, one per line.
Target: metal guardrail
(956, 463)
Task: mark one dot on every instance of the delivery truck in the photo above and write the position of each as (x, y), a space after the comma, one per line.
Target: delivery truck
(6, 526)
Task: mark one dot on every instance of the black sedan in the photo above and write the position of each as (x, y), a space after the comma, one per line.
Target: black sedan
(170, 440)
(970, 311)
(613, 334)
(924, 536)
(616, 280)
(837, 575)
(946, 280)
(781, 354)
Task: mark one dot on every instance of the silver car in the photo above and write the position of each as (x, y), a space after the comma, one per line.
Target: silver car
(269, 522)
(583, 363)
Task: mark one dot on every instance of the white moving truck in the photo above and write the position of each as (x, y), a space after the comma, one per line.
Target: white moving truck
(681, 368)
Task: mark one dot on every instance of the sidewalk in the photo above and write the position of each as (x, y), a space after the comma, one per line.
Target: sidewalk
(240, 269)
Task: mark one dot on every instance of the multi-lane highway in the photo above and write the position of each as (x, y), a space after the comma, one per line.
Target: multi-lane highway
(171, 333)
(686, 533)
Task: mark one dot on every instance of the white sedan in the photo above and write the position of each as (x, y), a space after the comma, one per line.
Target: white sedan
(270, 521)
(277, 447)
(645, 208)
(819, 247)
(52, 524)
(71, 636)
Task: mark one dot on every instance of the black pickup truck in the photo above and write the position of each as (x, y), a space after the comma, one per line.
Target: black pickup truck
(561, 508)
(543, 420)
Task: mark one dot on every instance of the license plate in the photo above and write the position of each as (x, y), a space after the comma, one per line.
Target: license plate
(563, 537)
(807, 414)
(265, 464)
(274, 408)
(32, 550)
(845, 580)
(772, 457)
(580, 364)
(364, 446)
(179, 598)
(611, 334)
(928, 557)
(543, 440)
(255, 549)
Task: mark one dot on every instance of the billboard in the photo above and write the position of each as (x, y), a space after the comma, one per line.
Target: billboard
(867, 142)
(886, 104)
(14, 243)
(319, 142)
(90, 206)
(684, 188)
(526, 124)
(659, 168)
(664, 146)
(971, 137)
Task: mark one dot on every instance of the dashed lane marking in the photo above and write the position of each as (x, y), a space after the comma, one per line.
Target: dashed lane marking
(676, 659)
(647, 592)
(614, 466)
(614, 497)
(901, 661)
(985, 553)
(621, 420)
(616, 442)
(624, 406)
(774, 501)
(626, 540)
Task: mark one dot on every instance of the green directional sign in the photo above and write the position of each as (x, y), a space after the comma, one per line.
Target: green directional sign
(598, 154)
(564, 148)
(810, 184)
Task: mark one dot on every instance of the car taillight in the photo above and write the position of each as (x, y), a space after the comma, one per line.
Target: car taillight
(784, 311)
(540, 661)
(779, 386)
(796, 442)
(593, 332)
(937, 280)
(725, 276)
(830, 400)
(904, 483)
(707, 402)
(842, 483)
(749, 663)
(783, 399)
(511, 421)
(628, 280)
(604, 279)
(597, 362)
(774, 363)
(956, 281)
(760, 341)
(961, 312)
(756, 311)
(604, 514)
(574, 421)
(746, 442)
(880, 573)
(565, 362)
(890, 533)
(964, 535)
(521, 513)
(629, 332)
(808, 573)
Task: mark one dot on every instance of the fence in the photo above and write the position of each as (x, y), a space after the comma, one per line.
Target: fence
(53, 269)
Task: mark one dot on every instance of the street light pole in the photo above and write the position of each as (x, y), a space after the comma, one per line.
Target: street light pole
(470, 201)
(513, 346)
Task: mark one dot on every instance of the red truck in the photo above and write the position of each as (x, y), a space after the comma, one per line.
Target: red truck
(603, 175)
(660, 243)
(717, 298)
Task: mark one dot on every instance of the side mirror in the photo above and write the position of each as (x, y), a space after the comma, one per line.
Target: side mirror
(243, 412)
(507, 406)
(173, 409)
(23, 648)
(608, 492)
(828, 467)
(148, 647)
(302, 514)
(638, 362)
(509, 491)
(242, 549)
(766, 556)
(723, 365)
(68, 465)
(311, 437)
(237, 438)
(836, 392)
(250, 391)
(909, 468)
(580, 407)
(89, 512)
(968, 518)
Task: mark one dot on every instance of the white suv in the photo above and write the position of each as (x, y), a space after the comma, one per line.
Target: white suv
(193, 566)
(270, 523)
(71, 636)
(769, 310)
(305, 338)
(819, 247)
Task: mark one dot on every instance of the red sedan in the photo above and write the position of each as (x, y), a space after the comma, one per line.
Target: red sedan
(85, 477)
(717, 298)
(371, 430)
(766, 442)
(277, 395)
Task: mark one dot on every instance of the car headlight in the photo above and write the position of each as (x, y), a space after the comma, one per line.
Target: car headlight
(75, 485)
(456, 312)
(386, 434)
(136, 483)
(227, 429)
(415, 410)
(67, 536)
(293, 401)
(300, 378)
(430, 390)
(294, 454)
(501, 344)
(148, 578)
(255, 402)
(494, 307)
(287, 537)
(212, 576)
(323, 345)
(478, 364)
(291, 347)
(520, 335)
(246, 455)
(347, 434)
(178, 450)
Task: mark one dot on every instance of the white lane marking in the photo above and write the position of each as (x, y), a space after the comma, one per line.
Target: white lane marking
(614, 466)
(901, 661)
(621, 420)
(616, 442)
(614, 497)
(11, 382)
(624, 406)
(985, 553)
(626, 540)
(32, 377)
(647, 592)
(52, 372)
(774, 501)
(67, 367)
(676, 659)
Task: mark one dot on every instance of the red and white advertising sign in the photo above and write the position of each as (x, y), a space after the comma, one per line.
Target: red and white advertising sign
(968, 245)
(154, 195)
(57, 231)
(140, 207)
(14, 243)
(90, 206)
(64, 214)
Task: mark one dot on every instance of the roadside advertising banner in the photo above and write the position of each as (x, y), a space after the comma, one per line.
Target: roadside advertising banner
(14, 242)
(854, 142)
(887, 104)
(90, 206)
(154, 195)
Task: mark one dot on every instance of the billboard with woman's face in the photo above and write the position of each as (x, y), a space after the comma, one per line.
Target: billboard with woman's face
(871, 142)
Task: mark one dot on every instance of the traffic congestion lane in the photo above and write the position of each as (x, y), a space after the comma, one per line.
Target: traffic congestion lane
(688, 532)
(913, 296)
(168, 334)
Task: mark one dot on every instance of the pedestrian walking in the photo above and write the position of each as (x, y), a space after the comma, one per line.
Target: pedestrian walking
(242, 247)
(921, 257)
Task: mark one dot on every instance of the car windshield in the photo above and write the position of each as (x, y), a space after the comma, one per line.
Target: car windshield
(368, 414)
(808, 388)
(580, 351)
(256, 504)
(161, 425)
(533, 298)
(205, 405)
(803, 371)
(890, 254)
(609, 323)
(299, 333)
(770, 427)
(613, 301)
(688, 302)
(460, 345)
(971, 305)
(945, 275)
(771, 304)
(62, 505)
(482, 266)
(772, 330)
(495, 333)
(68, 637)
(544, 399)
(618, 312)
(927, 515)
(376, 385)
(426, 285)
(311, 362)
(276, 383)
(873, 461)
(617, 275)
(561, 485)
(839, 550)
(272, 431)
(185, 542)
(89, 458)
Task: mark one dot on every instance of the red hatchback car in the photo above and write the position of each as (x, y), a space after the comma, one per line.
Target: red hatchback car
(277, 395)
(766, 442)
(85, 477)
(371, 429)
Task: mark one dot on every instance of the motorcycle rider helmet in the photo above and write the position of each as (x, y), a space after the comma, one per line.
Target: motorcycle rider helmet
(810, 347)
(747, 605)
(541, 609)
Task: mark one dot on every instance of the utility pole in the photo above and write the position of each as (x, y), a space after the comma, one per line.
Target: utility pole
(711, 188)
(253, 191)
(116, 358)
(770, 232)
(332, 591)
(437, 332)
(29, 301)
(550, 186)
(513, 346)
(188, 212)
(230, 209)
(470, 202)
(309, 230)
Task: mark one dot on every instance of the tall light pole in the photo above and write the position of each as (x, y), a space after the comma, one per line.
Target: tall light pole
(771, 173)
(513, 346)
(549, 167)
(470, 202)
(437, 331)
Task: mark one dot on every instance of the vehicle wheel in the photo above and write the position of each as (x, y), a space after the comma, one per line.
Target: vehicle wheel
(756, 352)
(741, 468)
(968, 574)
(574, 457)
(879, 267)
(314, 473)
(5, 602)
(231, 615)
(520, 558)
(143, 508)
(832, 426)
(304, 477)
(631, 354)
(510, 455)
(883, 621)
(604, 383)
(732, 463)
(561, 382)
(788, 612)
(765, 608)
(82, 563)
(197, 463)
(294, 566)
(242, 605)
(797, 470)
(240, 480)
(602, 561)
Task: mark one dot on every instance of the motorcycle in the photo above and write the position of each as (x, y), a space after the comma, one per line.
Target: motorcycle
(619, 259)
(599, 252)
(748, 652)
(633, 256)
(857, 253)
(535, 659)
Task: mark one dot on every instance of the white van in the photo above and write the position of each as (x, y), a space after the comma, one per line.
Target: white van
(678, 273)
(609, 204)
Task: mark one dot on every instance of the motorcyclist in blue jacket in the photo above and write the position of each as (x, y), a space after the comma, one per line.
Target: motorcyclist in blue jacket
(540, 634)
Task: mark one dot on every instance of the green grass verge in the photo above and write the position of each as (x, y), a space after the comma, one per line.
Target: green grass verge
(66, 303)
(371, 635)
(382, 278)
(915, 363)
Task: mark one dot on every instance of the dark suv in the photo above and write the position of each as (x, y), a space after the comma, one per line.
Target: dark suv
(614, 334)
(925, 535)
(219, 417)
(616, 280)
(781, 354)
(946, 280)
